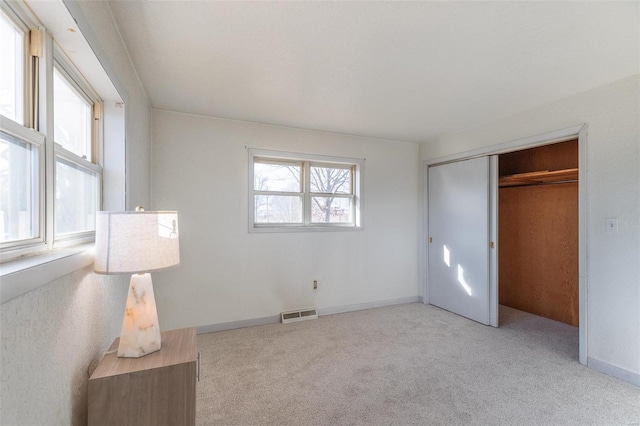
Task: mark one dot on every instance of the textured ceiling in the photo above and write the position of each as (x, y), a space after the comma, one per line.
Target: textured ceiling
(409, 71)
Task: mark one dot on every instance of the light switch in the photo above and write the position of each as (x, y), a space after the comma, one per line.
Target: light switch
(612, 224)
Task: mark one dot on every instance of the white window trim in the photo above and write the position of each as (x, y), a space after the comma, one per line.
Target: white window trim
(314, 160)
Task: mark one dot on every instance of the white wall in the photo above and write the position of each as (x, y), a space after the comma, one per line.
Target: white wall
(51, 335)
(612, 113)
(226, 274)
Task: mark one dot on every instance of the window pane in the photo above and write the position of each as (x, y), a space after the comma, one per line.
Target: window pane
(331, 210)
(330, 180)
(11, 71)
(76, 198)
(71, 117)
(18, 189)
(276, 177)
(278, 209)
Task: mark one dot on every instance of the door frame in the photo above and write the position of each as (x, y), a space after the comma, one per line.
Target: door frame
(580, 132)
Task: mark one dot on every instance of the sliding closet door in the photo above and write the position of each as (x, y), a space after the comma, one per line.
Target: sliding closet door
(460, 220)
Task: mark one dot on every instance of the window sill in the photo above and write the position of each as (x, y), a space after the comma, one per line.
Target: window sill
(24, 275)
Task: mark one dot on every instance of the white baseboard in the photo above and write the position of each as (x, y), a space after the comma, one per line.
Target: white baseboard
(326, 311)
(274, 319)
(614, 371)
(368, 305)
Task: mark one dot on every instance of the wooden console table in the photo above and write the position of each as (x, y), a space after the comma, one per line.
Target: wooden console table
(156, 389)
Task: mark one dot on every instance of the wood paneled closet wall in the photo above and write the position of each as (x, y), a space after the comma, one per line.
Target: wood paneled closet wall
(538, 231)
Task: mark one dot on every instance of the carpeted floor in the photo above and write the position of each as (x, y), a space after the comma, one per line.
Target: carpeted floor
(410, 364)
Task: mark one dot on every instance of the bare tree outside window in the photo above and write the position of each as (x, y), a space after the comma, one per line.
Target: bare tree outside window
(326, 183)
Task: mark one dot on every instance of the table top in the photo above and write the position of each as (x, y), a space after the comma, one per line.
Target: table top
(178, 346)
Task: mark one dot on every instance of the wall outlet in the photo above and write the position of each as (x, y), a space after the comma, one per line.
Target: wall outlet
(612, 224)
(315, 284)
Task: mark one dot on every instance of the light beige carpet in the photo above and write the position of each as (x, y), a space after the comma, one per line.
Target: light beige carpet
(410, 364)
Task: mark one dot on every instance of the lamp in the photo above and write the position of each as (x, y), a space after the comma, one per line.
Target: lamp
(137, 243)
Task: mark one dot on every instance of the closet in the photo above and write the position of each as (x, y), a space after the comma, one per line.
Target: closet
(538, 231)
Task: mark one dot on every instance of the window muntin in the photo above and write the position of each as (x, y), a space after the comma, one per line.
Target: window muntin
(19, 189)
(304, 192)
(71, 117)
(12, 54)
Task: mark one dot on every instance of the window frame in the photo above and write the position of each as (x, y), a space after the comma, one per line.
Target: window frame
(81, 86)
(307, 161)
(350, 195)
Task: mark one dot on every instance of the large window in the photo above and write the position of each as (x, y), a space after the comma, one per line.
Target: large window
(50, 178)
(295, 192)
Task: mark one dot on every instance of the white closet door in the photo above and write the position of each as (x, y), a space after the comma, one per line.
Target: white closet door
(459, 238)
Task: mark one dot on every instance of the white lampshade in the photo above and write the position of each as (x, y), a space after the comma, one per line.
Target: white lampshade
(134, 242)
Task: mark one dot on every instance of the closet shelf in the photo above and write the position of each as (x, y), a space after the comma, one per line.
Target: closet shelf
(539, 177)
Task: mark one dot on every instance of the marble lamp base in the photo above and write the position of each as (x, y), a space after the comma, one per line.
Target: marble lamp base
(140, 334)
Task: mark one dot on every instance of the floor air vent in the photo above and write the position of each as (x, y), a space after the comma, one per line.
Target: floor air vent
(299, 315)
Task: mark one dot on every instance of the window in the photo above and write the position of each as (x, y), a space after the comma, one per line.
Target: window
(295, 192)
(46, 201)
